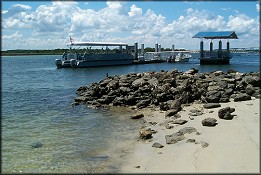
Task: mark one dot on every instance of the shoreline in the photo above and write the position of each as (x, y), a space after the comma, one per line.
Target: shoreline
(193, 122)
(233, 145)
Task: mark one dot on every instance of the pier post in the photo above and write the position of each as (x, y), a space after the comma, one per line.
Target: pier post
(142, 49)
(228, 46)
(211, 46)
(120, 49)
(219, 48)
(156, 47)
(136, 51)
(201, 49)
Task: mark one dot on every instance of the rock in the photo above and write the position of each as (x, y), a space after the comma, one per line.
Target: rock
(209, 122)
(145, 134)
(36, 145)
(250, 90)
(180, 122)
(195, 112)
(100, 157)
(174, 138)
(225, 113)
(171, 112)
(211, 105)
(213, 96)
(187, 130)
(242, 97)
(137, 116)
(157, 145)
(166, 125)
(204, 144)
(191, 141)
(143, 103)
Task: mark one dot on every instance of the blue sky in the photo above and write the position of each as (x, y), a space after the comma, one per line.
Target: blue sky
(48, 24)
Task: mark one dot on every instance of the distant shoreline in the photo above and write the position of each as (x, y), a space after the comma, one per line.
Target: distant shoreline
(24, 54)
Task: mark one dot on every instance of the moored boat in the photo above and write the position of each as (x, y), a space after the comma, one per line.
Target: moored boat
(102, 55)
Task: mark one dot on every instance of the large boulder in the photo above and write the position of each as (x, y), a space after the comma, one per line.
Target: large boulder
(209, 122)
(213, 96)
(242, 97)
(225, 113)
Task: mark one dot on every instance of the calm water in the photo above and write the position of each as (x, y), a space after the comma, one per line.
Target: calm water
(36, 109)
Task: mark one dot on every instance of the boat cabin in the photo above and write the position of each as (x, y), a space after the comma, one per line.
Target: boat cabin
(215, 56)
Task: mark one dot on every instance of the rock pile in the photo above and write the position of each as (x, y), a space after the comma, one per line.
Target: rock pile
(170, 89)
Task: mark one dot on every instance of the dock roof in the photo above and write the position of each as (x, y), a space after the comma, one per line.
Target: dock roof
(216, 35)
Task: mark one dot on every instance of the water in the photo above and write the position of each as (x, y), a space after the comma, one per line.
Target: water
(37, 109)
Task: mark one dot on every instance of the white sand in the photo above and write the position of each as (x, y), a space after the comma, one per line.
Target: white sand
(233, 144)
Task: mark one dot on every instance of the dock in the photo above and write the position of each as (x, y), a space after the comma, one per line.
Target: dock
(215, 56)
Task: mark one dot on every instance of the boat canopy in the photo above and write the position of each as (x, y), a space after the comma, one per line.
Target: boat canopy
(96, 44)
(216, 35)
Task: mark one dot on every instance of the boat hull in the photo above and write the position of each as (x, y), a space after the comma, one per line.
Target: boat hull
(96, 60)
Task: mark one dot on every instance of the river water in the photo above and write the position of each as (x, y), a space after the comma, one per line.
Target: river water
(43, 133)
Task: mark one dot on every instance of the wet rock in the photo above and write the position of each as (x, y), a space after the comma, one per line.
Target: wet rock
(209, 122)
(137, 116)
(36, 145)
(211, 105)
(157, 145)
(174, 138)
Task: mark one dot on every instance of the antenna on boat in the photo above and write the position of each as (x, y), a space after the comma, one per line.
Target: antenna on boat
(71, 40)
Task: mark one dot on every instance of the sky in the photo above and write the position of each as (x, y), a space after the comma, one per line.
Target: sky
(49, 24)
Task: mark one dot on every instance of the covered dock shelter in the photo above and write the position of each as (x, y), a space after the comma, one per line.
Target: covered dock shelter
(215, 56)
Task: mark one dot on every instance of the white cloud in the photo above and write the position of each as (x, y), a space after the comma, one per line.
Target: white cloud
(22, 6)
(258, 7)
(13, 36)
(135, 11)
(118, 22)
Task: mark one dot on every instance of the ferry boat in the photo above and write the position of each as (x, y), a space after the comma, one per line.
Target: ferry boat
(91, 57)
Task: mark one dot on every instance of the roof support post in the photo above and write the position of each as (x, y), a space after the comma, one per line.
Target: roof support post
(201, 49)
(219, 48)
(136, 50)
(228, 46)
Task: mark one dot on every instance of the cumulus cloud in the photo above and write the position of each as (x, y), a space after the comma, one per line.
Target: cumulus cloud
(135, 11)
(13, 36)
(119, 22)
(258, 7)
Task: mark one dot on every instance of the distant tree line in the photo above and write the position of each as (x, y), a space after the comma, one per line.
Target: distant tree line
(61, 51)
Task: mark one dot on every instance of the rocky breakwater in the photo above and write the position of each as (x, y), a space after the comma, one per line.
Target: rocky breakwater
(169, 89)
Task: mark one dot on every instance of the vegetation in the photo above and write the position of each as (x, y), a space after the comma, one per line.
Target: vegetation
(61, 51)
(33, 52)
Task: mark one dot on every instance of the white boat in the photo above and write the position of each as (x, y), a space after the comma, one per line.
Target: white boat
(90, 57)
(180, 57)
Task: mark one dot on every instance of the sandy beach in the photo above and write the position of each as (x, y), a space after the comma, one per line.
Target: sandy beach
(232, 146)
